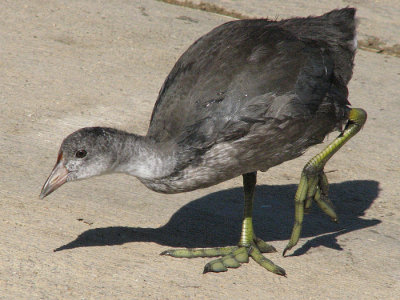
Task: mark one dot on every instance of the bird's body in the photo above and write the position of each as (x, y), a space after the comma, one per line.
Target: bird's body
(247, 96)
(250, 95)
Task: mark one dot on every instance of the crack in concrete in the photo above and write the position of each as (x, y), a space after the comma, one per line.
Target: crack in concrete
(208, 7)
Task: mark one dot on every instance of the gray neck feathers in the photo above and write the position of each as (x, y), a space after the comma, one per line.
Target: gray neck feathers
(142, 157)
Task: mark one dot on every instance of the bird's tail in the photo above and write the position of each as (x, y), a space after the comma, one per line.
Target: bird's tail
(342, 25)
(337, 29)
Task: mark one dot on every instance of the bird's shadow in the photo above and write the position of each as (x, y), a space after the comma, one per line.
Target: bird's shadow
(215, 220)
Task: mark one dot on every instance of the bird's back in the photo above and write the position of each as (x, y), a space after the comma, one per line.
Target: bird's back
(240, 60)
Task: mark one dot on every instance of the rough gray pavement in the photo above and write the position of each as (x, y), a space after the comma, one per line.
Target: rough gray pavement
(70, 64)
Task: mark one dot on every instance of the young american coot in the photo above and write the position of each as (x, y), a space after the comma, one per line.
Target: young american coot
(247, 96)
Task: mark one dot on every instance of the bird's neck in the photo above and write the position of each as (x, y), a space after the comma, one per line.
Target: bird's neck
(144, 158)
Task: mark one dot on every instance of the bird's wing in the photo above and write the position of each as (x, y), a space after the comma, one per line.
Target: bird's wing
(239, 74)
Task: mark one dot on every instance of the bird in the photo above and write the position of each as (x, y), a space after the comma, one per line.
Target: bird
(245, 97)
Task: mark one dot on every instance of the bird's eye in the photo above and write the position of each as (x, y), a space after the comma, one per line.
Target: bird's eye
(80, 153)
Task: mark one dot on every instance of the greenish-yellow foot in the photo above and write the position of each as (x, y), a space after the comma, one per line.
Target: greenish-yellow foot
(231, 257)
(314, 184)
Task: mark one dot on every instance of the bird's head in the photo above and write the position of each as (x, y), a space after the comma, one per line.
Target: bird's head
(85, 153)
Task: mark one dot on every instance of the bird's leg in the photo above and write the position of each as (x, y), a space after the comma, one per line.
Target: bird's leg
(249, 244)
(314, 183)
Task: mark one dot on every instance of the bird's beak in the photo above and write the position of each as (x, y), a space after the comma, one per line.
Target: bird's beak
(56, 179)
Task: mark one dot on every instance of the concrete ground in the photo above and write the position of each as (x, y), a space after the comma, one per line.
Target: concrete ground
(71, 64)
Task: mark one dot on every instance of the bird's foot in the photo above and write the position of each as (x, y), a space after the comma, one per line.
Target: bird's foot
(232, 257)
(313, 184)
(313, 187)
(317, 190)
